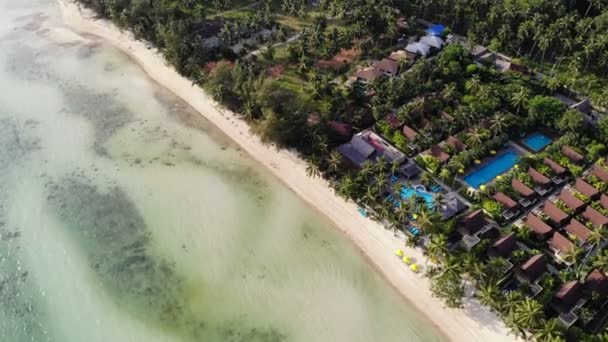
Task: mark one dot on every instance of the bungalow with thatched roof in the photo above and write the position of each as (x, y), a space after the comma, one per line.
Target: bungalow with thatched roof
(388, 67)
(436, 152)
(595, 217)
(532, 269)
(574, 156)
(455, 144)
(541, 230)
(586, 189)
(368, 75)
(503, 247)
(557, 216)
(571, 201)
(578, 230)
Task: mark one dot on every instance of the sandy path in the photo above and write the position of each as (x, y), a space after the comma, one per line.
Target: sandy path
(473, 323)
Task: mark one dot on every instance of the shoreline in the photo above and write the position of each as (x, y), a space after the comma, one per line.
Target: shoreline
(472, 323)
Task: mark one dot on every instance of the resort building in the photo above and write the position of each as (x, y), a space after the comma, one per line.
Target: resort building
(541, 230)
(503, 247)
(510, 207)
(368, 75)
(451, 205)
(388, 67)
(367, 145)
(566, 300)
(436, 152)
(542, 183)
(571, 201)
(418, 48)
(600, 172)
(455, 144)
(574, 156)
(432, 41)
(595, 217)
(531, 270)
(556, 216)
(578, 230)
(586, 189)
(527, 194)
(596, 284)
(604, 201)
(561, 247)
(558, 170)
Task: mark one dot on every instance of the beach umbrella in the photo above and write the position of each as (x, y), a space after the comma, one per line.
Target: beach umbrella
(492, 152)
(499, 177)
(406, 259)
(482, 188)
(477, 161)
(414, 267)
(399, 252)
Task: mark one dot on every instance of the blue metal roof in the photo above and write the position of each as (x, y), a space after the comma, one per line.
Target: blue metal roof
(436, 29)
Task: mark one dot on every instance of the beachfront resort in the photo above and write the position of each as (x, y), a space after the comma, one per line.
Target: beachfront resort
(480, 140)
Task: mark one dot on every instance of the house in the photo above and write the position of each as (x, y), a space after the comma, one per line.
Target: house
(451, 206)
(557, 216)
(600, 172)
(532, 269)
(456, 144)
(595, 217)
(478, 51)
(567, 296)
(571, 201)
(542, 183)
(409, 170)
(436, 30)
(524, 191)
(604, 201)
(509, 206)
(418, 48)
(472, 222)
(400, 56)
(367, 145)
(409, 133)
(503, 65)
(583, 106)
(586, 189)
(578, 230)
(432, 41)
(596, 283)
(503, 247)
(574, 156)
(557, 169)
(541, 230)
(560, 245)
(388, 67)
(436, 152)
(368, 75)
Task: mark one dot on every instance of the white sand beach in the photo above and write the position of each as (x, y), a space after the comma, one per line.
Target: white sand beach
(473, 323)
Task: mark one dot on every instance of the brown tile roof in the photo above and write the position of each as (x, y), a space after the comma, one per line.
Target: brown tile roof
(533, 268)
(578, 229)
(554, 212)
(600, 172)
(387, 65)
(597, 282)
(473, 221)
(570, 200)
(567, 295)
(446, 116)
(341, 128)
(506, 201)
(561, 243)
(585, 188)
(368, 74)
(522, 188)
(604, 201)
(595, 217)
(572, 154)
(504, 246)
(438, 153)
(538, 226)
(409, 133)
(456, 144)
(555, 167)
(392, 119)
(538, 177)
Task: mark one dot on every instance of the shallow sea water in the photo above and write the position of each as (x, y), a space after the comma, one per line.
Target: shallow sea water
(125, 216)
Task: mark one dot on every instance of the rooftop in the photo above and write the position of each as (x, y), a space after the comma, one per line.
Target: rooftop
(600, 172)
(538, 226)
(387, 66)
(597, 282)
(560, 243)
(369, 74)
(585, 188)
(538, 177)
(574, 156)
(456, 144)
(409, 133)
(555, 167)
(578, 229)
(595, 217)
(570, 200)
(567, 295)
(506, 201)
(533, 268)
(504, 246)
(521, 188)
(554, 212)
(438, 153)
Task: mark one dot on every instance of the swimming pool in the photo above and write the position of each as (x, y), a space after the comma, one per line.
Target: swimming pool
(408, 192)
(492, 169)
(537, 141)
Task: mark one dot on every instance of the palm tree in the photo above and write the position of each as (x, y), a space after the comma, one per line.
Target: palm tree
(370, 195)
(334, 160)
(601, 261)
(402, 212)
(596, 236)
(438, 200)
(572, 254)
(427, 220)
(550, 331)
(498, 123)
(346, 187)
(312, 167)
(475, 137)
(552, 83)
(427, 179)
(449, 92)
(445, 175)
(528, 314)
(489, 295)
(519, 99)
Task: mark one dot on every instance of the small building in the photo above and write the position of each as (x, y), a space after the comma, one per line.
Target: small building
(567, 296)
(600, 172)
(418, 48)
(503, 247)
(436, 152)
(451, 206)
(388, 67)
(571, 201)
(368, 75)
(400, 56)
(432, 41)
(557, 169)
(478, 51)
(604, 201)
(472, 222)
(560, 245)
(437, 30)
(578, 230)
(504, 66)
(586, 189)
(595, 217)
(340, 128)
(574, 156)
(367, 145)
(557, 216)
(455, 144)
(409, 133)
(510, 207)
(541, 230)
(527, 194)
(409, 170)
(531, 270)
(596, 283)
(538, 177)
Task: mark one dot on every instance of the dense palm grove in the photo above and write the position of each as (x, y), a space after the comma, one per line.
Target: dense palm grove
(290, 100)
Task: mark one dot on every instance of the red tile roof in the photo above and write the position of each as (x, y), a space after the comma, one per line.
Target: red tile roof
(604, 201)
(555, 167)
(473, 221)
(538, 177)
(560, 243)
(595, 217)
(567, 295)
(538, 226)
(533, 268)
(554, 212)
(388, 66)
(456, 144)
(438, 153)
(409, 133)
(578, 229)
(368, 74)
(600, 172)
(522, 188)
(585, 188)
(506, 201)
(597, 282)
(504, 246)
(570, 200)
(572, 154)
